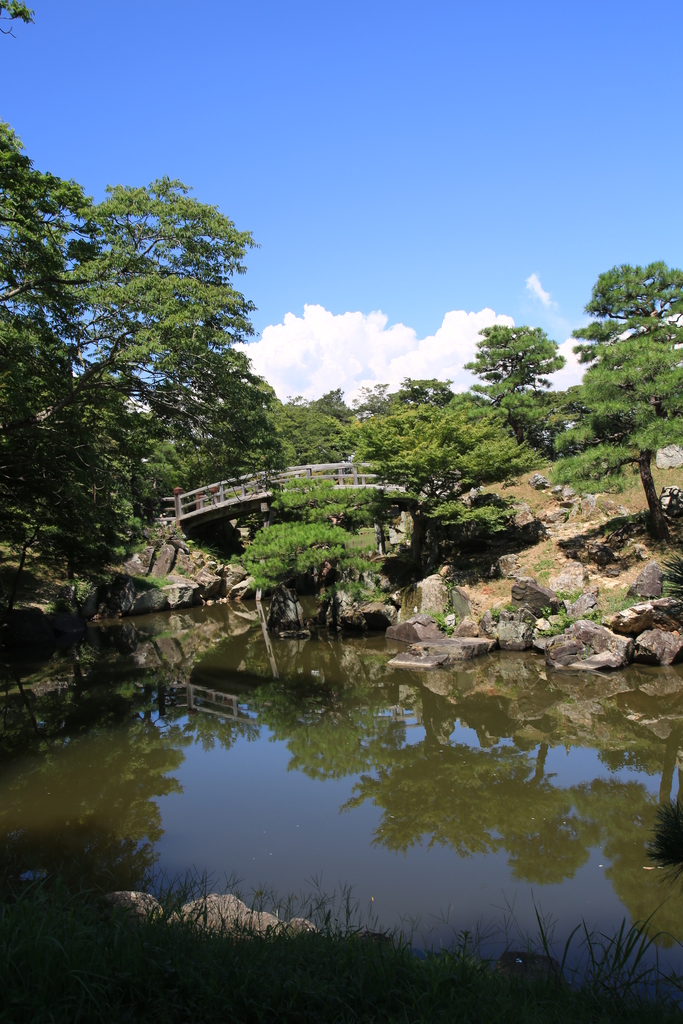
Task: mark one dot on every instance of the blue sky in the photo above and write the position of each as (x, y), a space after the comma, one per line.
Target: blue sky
(408, 158)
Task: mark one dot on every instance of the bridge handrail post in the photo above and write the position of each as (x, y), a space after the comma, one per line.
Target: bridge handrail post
(355, 475)
(177, 491)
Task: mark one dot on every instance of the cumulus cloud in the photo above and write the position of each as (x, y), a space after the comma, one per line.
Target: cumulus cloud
(572, 372)
(534, 286)
(320, 351)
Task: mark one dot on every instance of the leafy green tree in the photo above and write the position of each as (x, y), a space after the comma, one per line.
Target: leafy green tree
(287, 549)
(413, 392)
(438, 453)
(515, 363)
(310, 500)
(372, 401)
(312, 433)
(332, 404)
(632, 391)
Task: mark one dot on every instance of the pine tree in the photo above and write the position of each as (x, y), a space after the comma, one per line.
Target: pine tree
(632, 392)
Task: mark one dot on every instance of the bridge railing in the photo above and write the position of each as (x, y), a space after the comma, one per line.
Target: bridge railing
(252, 486)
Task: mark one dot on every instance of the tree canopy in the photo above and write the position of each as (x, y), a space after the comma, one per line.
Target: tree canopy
(632, 391)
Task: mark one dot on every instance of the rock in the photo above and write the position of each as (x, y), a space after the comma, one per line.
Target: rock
(27, 631)
(523, 516)
(182, 594)
(515, 631)
(343, 613)
(666, 614)
(68, 628)
(649, 582)
(133, 566)
(243, 591)
(553, 516)
(657, 647)
(570, 579)
(460, 602)
(230, 577)
(443, 653)
(137, 904)
(179, 544)
(589, 503)
(539, 642)
(623, 511)
(612, 570)
(87, 606)
(641, 552)
(542, 624)
(150, 601)
(587, 602)
(588, 646)
(467, 627)
(145, 656)
(209, 583)
(527, 591)
(671, 500)
(163, 563)
(116, 598)
(285, 612)
(184, 563)
(414, 630)
(670, 457)
(507, 565)
(378, 615)
(600, 553)
(568, 493)
(538, 482)
(227, 913)
(451, 620)
(488, 626)
(432, 594)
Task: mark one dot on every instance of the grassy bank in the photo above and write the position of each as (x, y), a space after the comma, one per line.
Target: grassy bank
(65, 958)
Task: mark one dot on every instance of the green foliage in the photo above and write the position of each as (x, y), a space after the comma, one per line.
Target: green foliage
(515, 362)
(631, 398)
(14, 10)
(308, 500)
(666, 846)
(312, 432)
(287, 549)
(372, 401)
(673, 576)
(414, 392)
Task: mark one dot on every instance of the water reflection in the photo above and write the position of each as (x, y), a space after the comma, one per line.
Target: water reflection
(476, 762)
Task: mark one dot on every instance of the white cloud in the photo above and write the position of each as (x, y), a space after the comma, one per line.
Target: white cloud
(572, 372)
(320, 351)
(534, 286)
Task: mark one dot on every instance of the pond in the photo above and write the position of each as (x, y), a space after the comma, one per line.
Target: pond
(447, 799)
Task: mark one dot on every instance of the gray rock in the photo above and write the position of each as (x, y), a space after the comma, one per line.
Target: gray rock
(568, 493)
(184, 563)
(488, 626)
(524, 517)
(343, 613)
(587, 602)
(182, 594)
(589, 503)
(230, 577)
(209, 583)
(150, 601)
(670, 457)
(243, 591)
(671, 501)
(526, 590)
(432, 594)
(657, 647)
(163, 563)
(570, 578)
(460, 602)
(116, 598)
(600, 553)
(285, 612)
(466, 628)
(508, 565)
(588, 646)
(136, 904)
(378, 615)
(229, 914)
(515, 633)
(134, 566)
(666, 614)
(445, 653)
(414, 630)
(649, 582)
(538, 482)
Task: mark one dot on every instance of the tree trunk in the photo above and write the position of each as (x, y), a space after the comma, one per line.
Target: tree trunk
(659, 527)
(417, 536)
(15, 585)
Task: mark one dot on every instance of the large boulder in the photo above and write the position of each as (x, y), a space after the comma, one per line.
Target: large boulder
(570, 578)
(657, 647)
(285, 612)
(508, 565)
(227, 913)
(116, 598)
(670, 457)
(378, 615)
(153, 600)
(516, 629)
(135, 904)
(601, 554)
(588, 646)
(671, 501)
(133, 566)
(444, 653)
(460, 602)
(587, 602)
(415, 629)
(27, 632)
(539, 482)
(488, 626)
(526, 591)
(649, 582)
(243, 591)
(209, 583)
(467, 627)
(343, 612)
(163, 563)
(230, 577)
(432, 594)
(666, 614)
(181, 594)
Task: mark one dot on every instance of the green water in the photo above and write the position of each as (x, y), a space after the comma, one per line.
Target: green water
(450, 799)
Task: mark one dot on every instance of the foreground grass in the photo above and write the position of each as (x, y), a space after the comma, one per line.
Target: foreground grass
(64, 958)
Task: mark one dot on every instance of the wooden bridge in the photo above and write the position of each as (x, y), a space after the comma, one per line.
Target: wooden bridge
(231, 499)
